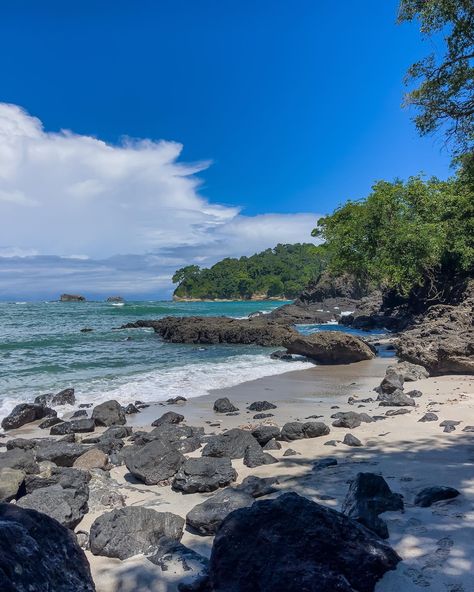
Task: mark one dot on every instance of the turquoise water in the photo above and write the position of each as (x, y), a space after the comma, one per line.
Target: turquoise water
(42, 350)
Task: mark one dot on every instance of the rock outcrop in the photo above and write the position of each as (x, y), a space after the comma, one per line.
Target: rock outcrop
(331, 347)
(26, 413)
(37, 553)
(204, 474)
(72, 298)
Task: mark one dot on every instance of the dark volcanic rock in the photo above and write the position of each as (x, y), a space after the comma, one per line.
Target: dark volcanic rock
(256, 331)
(17, 458)
(350, 440)
(449, 425)
(429, 417)
(130, 409)
(155, 462)
(38, 554)
(80, 414)
(428, 496)
(293, 544)
(255, 457)
(117, 432)
(368, 496)
(25, 413)
(108, 414)
(11, 482)
(400, 411)
(61, 428)
(223, 405)
(204, 474)
(395, 399)
(264, 433)
(168, 417)
(261, 406)
(71, 298)
(179, 400)
(272, 445)
(350, 419)
(262, 415)
(129, 531)
(295, 430)
(392, 382)
(63, 496)
(49, 422)
(331, 347)
(65, 397)
(61, 453)
(205, 518)
(232, 444)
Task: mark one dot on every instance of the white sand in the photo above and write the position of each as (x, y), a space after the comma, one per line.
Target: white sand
(436, 544)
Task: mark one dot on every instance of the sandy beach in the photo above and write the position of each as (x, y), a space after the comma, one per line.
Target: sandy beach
(436, 543)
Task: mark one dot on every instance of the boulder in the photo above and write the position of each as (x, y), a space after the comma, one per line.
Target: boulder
(17, 458)
(261, 406)
(350, 419)
(351, 440)
(331, 347)
(130, 409)
(108, 414)
(255, 457)
(295, 430)
(205, 518)
(291, 543)
(272, 445)
(395, 399)
(63, 495)
(409, 372)
(92, 459)
(25, 413)
(369, 495)
(49, 422)
(65, 397)
(168, 417)
(117, 432)
(258, 486)
(82, 426)
(187, 566)
(204, 474)
(290, 452)
(223, 405)
(61, 428)
(262, 415)
(399, 411)
(11, 482)
(38, 554)
(104, 492)
(179, 400)
(391, 382)
(429, 417)
(430, 495)
(132, 530)
(232, 444)
(62, 454)
(80, 414)
(155, 462)
(264, 433)
(115, 299)
(449, 425)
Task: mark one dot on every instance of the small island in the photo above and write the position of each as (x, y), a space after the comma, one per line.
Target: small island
(72, 298)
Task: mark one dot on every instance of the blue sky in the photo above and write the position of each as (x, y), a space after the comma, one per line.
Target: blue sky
(282, 110)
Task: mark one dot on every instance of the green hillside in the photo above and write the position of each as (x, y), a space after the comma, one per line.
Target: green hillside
(281, 272)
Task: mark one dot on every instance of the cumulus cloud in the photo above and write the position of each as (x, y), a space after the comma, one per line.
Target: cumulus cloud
(65, 196)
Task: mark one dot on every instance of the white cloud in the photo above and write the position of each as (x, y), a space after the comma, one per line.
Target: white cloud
(63, 193)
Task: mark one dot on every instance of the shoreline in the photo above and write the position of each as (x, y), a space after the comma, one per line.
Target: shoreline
(436, 544)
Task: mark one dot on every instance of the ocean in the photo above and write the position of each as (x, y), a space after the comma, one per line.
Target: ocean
(42, 350)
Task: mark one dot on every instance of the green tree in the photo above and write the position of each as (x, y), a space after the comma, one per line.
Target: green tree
(444, 97)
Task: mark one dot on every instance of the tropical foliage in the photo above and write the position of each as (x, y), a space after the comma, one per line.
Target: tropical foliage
(282, 272)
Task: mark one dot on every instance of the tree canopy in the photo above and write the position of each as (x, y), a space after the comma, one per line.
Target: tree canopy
(403, 233)
(281, 272)
(444, 97)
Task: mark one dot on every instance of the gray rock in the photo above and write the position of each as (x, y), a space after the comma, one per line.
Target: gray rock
(117, 432)
(410, 372)
(330, 347)
(296, 430)
(369, 495)
(80, 414)
(61, 428)
(258, 486)
(468, 429)
(38, 554)
(255, 457)
(430, 495)
(168, 417)
(179, 400)
(65, 397)
(205, 518)
(49, 422)
(395, 399)
(154, 463)
(414, 394)
(272, 445)
(22, 460)
(108, 414)
(429, 417)
(350, 440)
(261, 406)
(25, 413)
(62, 454)
(223, 405)
(290, 452)
(131, 409)
(263, 415)
(401, 411)
(204, 474)
(104, 492)
(392, 382)
(306, 547)
(449, 425)
(349, 419)
(11, 481)
(324, 463)
(264, 433)
(187, 566)
(132, 530)
(232, 444)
